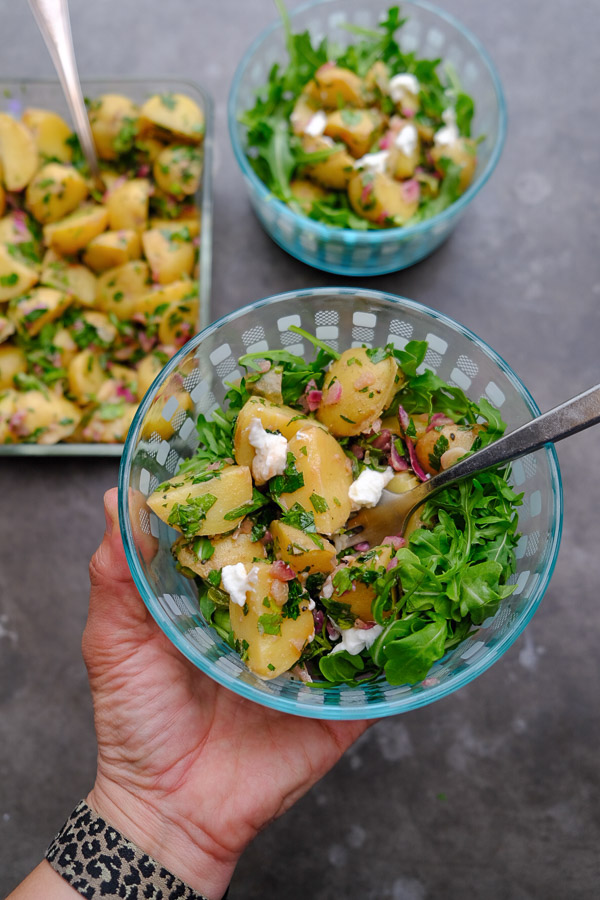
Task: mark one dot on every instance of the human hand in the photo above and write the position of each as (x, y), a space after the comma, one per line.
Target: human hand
(188, 770)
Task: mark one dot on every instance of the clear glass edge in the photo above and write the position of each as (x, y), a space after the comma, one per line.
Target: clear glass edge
(206, 209)
(349, 236)
(376, 709)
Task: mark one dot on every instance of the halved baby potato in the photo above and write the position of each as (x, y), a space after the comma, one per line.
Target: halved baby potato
(50, 133)
(75, 231)
(199, 507)
(12, 362)
(15, 276)
(85, 376)
(463, 152)
(327, 474)
(441, 447)
(127, 205)
(238, 546)
(360, 598)
(119, 289)
(357, 128)
(45, 416)
(18, 153)
(112, 248)
(37, 308)
(333, 86)
(306, 193)
(178, 170)
(70, 277)
(303, 552)
(335, 171)
(272, 643)
(114, 123)
(272, 417)
(171, 115)
(170, 253)
(54, 192)
(381, 199)
(356, 390)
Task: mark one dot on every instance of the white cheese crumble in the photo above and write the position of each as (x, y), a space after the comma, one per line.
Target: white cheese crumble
(368, 487)
(355, 640)
(406, 140)
(449, 133)
(237, 582)
(316, 125)
(327, 589)
(270, 458)
(402, 84)
(373, 162)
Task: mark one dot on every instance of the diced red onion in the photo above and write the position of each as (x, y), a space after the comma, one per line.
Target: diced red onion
(395, 540)
(366, 192)
(382, 217)
(397, 462)
(313, 400)
(408, 113)
(263, 365)
(357, 450)
(213, 466)
(411, 190)
(266, 538)
(386, 141)
(281, 571)
(334, 394)
(333, 632)
(16, 423)
(438, 419)
(146, 341)
(363, 626)
(416, 465)
(324, 67)
(318, 618)
(143, 170)
(383, 440)
(362, 547)
(403, 419)
(125, 392)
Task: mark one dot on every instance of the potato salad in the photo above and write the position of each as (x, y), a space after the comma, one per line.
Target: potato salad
(262, 505)
(98, 287)
(370, 137)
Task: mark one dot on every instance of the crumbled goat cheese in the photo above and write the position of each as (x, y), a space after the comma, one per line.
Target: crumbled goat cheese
(406, 141)
(402, 84)
(237, 582)
(355, 640)
(368, 487)
(270, 458)
(316, 125)
(327, 589)
(449, 133)
(373, 162)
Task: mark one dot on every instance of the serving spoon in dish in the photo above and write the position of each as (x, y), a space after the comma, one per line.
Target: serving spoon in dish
(393, 512)
(52, 17)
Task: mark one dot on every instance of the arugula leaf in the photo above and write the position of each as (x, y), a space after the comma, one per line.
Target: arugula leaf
(409, 647)
(341, 668)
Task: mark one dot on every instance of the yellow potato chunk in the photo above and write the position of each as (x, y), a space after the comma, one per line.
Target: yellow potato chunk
(85, 376)
(357, 128)
(197, 507)
(402, 164)
(272, 418)
(233, 548)
(113, 120)
(7, 328)
(179, 322)
(111, 249)
(109, 423)
(191, 222)
(381, 199)
(150, 304)
(45, 417)
(147, 369)
(127, 205)
(402, 482)
(333, 86)
(333, 172)
(15, 276)
(304, 109)
(440, 448)
(360, 598)
(50, 133)
(37, 308)
(54, 192)
(8, 402)
(74, 232)
(463, 152)
(327, 478)
(356, 391)
(14, 228)
(304, 553)
(170, 254)
(269, 642)
(18, 153)
(306, 193)
(178, 170)
(155, 422)
(168, 115)
(65, 346)
(72, 278)
(12, 362)
(119, 289)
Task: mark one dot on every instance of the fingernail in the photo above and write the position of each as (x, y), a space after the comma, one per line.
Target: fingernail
(109, 522)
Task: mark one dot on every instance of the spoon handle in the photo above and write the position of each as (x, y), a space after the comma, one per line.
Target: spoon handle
(570, 417)
(52, 17)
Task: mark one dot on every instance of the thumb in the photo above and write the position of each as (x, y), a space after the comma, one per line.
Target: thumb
(115, 603)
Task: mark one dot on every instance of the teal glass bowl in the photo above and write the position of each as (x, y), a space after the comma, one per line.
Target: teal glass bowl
(429, 32)
(194, 381)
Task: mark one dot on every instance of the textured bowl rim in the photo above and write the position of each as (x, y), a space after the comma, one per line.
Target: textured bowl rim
(349, 235)
(377, 709)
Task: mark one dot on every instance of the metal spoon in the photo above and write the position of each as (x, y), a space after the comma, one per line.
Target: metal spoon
(52, 17)
(393, 511)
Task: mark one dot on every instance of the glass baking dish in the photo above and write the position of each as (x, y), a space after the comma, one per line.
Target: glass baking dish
(16, 95)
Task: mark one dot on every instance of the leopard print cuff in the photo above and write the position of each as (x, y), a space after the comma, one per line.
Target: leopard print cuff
(98, 861)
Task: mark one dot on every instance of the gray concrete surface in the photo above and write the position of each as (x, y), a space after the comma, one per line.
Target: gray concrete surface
(492, 793)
